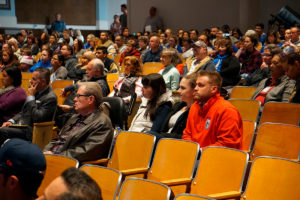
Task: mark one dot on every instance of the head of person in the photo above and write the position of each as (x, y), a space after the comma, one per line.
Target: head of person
(152, 11)
(200, 50)
(30, 39)
(168, 32)
(237, 33)
(259, 28)
(57, 61)
(123, 8)
(103, 36)
(78, 44)
(58, 16)
(153, 87)
(131, 45)
(143, 42)
(119, 41)
(66, 50)
(293, 66)
(72, 184)
(132, 65)
(180, 33)
(88, 98)
(186, 88)
(287, 34)
(163, 38)
(20, 38)
(8, 56)
(273, 37)
(225, 47)
(213, 31)
(116, 19)
(187, 44)
(250, 42)
(41, 78)
(219, 34)
(87, 57)
(295, 33)
(208, 85)
(89, 37)
(154, 43)
(93, 42)
(11, 76)
(186, 35)
(169, 56)
(53, 39)
(203, 38)
(194, 34)
(94, 69)
(46, 56)
(172, 41)
(277, 69)
(26, 63)
(125, 32)
(269, 51)
(22, 167)
(101, 52)
(14, 43)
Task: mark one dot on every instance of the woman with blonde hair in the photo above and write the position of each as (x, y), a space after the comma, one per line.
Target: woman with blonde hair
(131, 82)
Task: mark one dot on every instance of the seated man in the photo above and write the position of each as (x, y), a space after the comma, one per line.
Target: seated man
(40, 106)
(72, 184)
(109, 65)
(153, 54)
(88, 134)
(22, 166)
(212, 121)
(293, 72)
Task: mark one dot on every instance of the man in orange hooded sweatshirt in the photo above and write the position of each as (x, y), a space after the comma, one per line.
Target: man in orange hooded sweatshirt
(213, 121)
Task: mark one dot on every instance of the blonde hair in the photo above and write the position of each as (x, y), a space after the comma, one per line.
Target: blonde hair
(173, 54)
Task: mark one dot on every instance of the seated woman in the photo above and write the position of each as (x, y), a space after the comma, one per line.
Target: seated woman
(130, 51)
(58, 71)
(155, 106)
(175, 122)
(227, 64)
(12, 96)
(78, 47)
(8, 58)
(264, 72)
(277, 88)
(169, 72)
(131, 82)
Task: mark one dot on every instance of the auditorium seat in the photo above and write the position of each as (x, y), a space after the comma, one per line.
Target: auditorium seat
(186, 196)
(249, 109)
(242, 92)
(248, 135)
(151, 67)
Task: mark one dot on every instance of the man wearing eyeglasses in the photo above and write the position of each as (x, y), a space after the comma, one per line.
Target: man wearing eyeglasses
(87, 135)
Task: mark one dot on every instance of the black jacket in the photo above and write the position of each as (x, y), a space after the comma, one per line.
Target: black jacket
(230, 71)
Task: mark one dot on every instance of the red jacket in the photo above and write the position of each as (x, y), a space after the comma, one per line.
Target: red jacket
(218, 123)
(134, 52)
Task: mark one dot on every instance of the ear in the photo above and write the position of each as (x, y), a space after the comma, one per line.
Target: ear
(214, 89)
(12, 182)
(92, 99)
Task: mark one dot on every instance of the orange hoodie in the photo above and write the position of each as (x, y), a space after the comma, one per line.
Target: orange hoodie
(218, 123)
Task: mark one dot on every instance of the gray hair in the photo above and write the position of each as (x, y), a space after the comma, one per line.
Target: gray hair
(173, 54)
(93, 89)
(98, 64)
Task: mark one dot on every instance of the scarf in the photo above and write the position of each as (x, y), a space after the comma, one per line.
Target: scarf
(218, 61)
(7, 89)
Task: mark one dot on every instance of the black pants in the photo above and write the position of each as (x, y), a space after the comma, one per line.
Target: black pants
(24, 133)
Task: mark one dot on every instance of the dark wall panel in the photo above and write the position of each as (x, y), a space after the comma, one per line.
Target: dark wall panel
(74, 12)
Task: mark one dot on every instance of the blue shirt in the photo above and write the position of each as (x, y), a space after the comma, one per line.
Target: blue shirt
(40, 64)
(152, 57)
(59, 26)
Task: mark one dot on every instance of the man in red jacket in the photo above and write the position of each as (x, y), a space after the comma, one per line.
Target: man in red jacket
(213, 121)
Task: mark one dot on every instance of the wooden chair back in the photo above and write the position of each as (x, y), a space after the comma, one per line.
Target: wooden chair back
(42, 133)
(60, 99)
(153, 67)
(273, 178)
(56, 164)
(242, 92)
(60, 84)
(220, 170)
(137, 189)
(108, 179)
(186, 196)
(278, 140)
(249, 109)
(26, 75)
(248, 135)
(278, 112)
(111, 79)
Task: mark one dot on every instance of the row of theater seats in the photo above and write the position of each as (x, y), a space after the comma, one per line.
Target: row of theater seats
(223, 173)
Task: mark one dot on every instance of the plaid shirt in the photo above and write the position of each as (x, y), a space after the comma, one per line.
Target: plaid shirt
(58, 146)
(250, 61)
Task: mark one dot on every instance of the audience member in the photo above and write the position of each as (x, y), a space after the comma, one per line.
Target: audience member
(169, 72)
(22, 166)
(153, 21)
(39, 107)
(130, 51)
(143, 45)
(173, 43)
(272, 38)
(67, 37)
(58, 71)
(8, 59)
(293, 72)
(58, 25)
(26, 63)
(88, 40)
(227, 64)
(131, 82)
(44, 61)
(293, 45)
(153, 54)
(116, 27)
(78, 48)
(87, 135)
(259, 29)
(53, 43)
(212, 121)
(12, 96)
(73, 184)
(201, 61)
(187, 48)
(78, 35)
(68, 53)
(118, 48)
(104, 40)
(155, 106)
(194, 35)
(277, 88)
(109, 65)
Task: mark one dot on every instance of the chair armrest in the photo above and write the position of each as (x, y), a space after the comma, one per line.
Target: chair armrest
(44, 124)
(128, 172)
(102, 161)
(226, 195)
(179, 181)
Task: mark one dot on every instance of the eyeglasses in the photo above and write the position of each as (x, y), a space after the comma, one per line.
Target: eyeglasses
(82, 95)
(267, 55)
